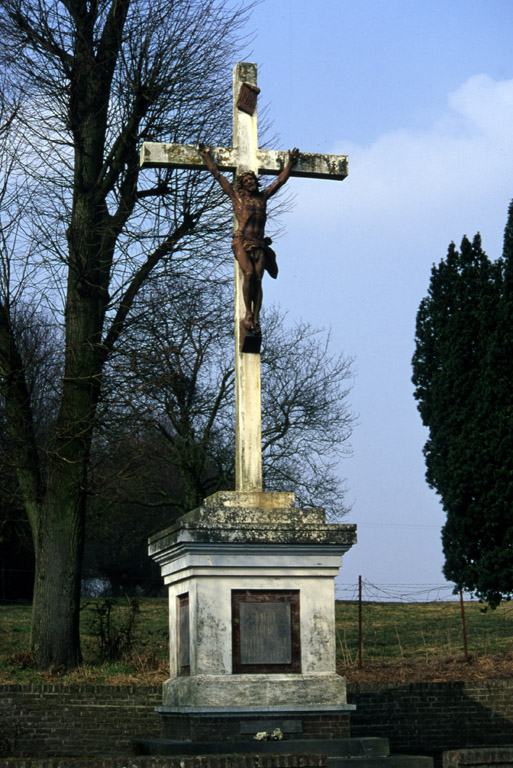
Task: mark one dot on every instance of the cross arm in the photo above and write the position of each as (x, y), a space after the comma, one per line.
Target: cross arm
(271, 162)
(186, 156)
(309, 164)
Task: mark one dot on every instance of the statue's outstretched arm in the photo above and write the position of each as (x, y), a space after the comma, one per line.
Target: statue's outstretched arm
(214, 170)
(284, 175)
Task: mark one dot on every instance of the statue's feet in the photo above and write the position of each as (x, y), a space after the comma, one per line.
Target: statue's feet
(251, 325)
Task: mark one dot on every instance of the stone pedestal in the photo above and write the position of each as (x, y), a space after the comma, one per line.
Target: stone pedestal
(252, 617)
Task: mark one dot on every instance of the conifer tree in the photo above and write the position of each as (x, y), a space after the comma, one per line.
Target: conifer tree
(462, 371)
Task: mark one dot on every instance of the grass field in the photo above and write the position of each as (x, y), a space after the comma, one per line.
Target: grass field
(146, 660)
(401, 642)
(402, 631)
(424, 641)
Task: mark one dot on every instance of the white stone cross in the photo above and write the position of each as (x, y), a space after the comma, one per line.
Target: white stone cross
(245, 156)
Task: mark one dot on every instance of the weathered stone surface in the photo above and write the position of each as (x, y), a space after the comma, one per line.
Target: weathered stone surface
(217, 550)
(236, 749)
(256, 692)
(393, 761)
(248, 396)
(268, 533)
(310, 164)
(250, 499)
(238, 525)
(479, 757)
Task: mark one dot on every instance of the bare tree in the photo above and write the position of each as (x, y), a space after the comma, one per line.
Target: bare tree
(95, 79)
(306, 418)
(39, 346)
(175, 378)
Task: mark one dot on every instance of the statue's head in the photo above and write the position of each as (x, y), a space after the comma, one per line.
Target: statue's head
(247, 180)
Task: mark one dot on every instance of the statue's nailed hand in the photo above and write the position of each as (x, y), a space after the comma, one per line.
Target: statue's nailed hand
(293, 155)
(204, 149)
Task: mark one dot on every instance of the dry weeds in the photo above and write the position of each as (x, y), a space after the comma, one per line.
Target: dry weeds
(442, 670)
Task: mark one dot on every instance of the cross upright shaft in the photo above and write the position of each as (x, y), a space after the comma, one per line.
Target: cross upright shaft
(248, 397)
(245, 156)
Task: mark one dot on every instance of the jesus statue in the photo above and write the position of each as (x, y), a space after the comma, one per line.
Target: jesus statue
(250, 246)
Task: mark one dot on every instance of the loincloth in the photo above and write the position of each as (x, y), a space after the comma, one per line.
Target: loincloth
(251, 245)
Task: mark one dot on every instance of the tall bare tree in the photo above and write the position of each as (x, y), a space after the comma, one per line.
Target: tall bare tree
(174, 377)
(95, 78)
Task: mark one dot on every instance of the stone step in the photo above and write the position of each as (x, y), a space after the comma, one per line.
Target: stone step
(392, 761)
(370, 748)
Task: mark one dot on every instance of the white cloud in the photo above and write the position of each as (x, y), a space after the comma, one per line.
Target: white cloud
(487, 105)
(443, 176)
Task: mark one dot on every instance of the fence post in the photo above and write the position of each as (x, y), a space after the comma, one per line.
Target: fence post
(464, 626)
(360, 642)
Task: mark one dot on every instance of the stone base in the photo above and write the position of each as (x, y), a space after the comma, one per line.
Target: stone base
(252, 620)
(256, 693)
(479, 757)
(234, 727)
(333, 753)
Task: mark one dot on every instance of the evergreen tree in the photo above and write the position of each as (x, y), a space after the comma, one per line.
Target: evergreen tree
(462, 371)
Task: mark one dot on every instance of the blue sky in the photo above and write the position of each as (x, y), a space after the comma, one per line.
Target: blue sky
(419, 94)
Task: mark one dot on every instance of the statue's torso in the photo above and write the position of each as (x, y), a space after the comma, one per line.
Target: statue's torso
(250, 211)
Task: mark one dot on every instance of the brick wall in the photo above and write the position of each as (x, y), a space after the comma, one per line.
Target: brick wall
(199, 761)
(60, 721)
(428, 718)
(183, 727)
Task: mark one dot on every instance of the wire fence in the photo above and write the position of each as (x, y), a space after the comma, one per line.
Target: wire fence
(388, 622)
(417, 622)
(400, 593)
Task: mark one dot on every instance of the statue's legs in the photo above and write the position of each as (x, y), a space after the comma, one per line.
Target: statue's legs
(252, 266)
(257, 293)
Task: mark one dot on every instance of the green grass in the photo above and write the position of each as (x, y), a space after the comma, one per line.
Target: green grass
(147, 660)
(421, 632)
(393, 633)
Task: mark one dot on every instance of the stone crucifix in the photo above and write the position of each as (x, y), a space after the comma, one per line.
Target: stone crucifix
(244, 157)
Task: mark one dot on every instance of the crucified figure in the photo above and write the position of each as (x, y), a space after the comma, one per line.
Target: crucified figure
(250, 246)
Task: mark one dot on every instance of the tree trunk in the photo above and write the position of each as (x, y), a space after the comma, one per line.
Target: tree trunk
(55, 638)
(59, 535)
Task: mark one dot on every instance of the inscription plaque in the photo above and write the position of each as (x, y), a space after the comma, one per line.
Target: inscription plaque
(183, 639)
(266, 631)
(247, 100)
